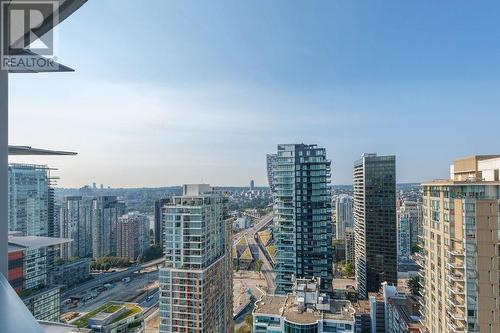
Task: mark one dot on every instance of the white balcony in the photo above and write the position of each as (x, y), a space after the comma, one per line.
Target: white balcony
(454, 328)
(454, 253)
(455, 265)
(455, 303)
(456, 290)
(456, 278)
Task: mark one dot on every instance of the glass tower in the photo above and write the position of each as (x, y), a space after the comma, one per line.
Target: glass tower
(303, 216)
(375, 222)
(30, 200)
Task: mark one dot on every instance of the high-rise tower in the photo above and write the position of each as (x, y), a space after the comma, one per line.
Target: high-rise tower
(343, 217)
(76, 223)
(303, 216)
(105, 213)
(461, 248)
(196, 282)
(375, 222)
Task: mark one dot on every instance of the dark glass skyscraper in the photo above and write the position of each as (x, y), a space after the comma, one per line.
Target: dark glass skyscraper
(303, 215)
(375, 222)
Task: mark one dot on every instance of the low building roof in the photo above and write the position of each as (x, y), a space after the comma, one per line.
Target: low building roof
(36, 242)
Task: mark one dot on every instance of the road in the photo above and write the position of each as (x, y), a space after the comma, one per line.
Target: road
(250, 233)
(106, 278)
(150, 302)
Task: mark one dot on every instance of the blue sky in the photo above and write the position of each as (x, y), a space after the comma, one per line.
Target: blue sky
(186, 91)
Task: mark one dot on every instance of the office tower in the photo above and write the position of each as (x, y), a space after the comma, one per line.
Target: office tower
(30, 199)
(375, 222)
(461, 252)
(76, 223)
(303, 216)
(343, 216)
(306, 309)
(158, 226)
(271, 164)
(132, 236)
(252, 185)
(105, 213)
(195, 286)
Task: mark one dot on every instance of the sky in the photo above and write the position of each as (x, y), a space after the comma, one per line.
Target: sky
(180, 91)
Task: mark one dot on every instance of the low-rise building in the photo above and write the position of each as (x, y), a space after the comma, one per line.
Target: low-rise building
(29, 268)
(403, 315)
(303, 310)
(44, 303)
(112, 317)
(71, 273)
(242, 255)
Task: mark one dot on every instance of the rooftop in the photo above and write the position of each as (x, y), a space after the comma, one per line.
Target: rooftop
(36, 242)
(339, 310)
(52, 327)
(105, 311)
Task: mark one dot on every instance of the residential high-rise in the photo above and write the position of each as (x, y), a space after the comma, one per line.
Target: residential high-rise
(105, 213)
(76, 223)
(271, 164)
(404, 235)
(132, 236)
(412, 210)
(303, 216)
(195, 283)
(349, 245)
(375, 222)
(30, 200)
(461, 248)
(343, 216)
(158, 223)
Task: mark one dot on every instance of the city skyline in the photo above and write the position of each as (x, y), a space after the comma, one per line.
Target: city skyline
(353, 78)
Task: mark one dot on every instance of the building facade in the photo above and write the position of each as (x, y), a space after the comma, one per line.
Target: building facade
(303, 216)
(158, 223)
(349, 245)
(404, 235)
(132, 236)
(375, 222)
(70, 273)
(461, 255)
(271, 165)
(195, 283)
(343, 215)
(30, 198)
(76, 223)
(411, 213)
(105, 213)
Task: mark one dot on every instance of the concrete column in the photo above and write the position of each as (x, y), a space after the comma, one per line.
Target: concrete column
(4, 139)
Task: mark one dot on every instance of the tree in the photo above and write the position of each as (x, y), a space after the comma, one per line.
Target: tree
(243, 329)
(58, 261)
(414, 285)
(258, 265)
(249, 320)
(349, 269)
